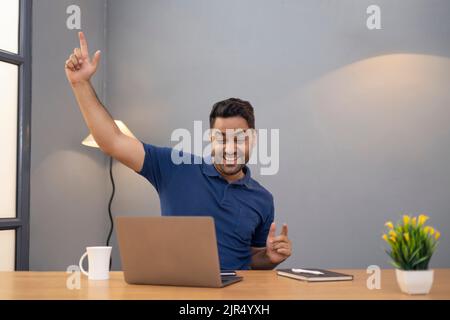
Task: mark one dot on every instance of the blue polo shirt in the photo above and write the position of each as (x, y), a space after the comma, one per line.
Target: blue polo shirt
(242, 210)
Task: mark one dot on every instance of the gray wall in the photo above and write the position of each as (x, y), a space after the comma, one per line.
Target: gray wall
(68, 181)
(362, 116)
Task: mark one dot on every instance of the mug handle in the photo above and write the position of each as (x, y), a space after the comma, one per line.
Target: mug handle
(80, 264)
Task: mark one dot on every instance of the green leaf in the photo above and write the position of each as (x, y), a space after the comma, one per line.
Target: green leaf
(396, 265)
(423, 259)
(415, 253)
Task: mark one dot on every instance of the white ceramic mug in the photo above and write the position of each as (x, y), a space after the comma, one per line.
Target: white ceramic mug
(98, 260)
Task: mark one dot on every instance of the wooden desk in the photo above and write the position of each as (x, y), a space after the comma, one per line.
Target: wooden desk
(256, 285)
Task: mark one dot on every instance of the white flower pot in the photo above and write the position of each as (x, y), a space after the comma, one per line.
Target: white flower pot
(415, 281)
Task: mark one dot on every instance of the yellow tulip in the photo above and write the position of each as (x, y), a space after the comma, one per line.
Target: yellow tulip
(406, 235)
(385, 238)
(392, 233)
(429, 230)
(406, 219)
(389, 224)
(438, 235)
(393, 239)
(414, 221)
(422, 219)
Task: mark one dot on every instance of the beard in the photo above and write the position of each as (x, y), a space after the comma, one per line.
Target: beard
(229, 169)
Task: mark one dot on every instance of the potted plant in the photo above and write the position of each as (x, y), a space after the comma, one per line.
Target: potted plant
(412, 245)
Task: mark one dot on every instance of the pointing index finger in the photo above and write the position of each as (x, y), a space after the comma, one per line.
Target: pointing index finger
(83, 45)
(284, 229)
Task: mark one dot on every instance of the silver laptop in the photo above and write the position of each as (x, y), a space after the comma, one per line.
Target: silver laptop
(178, 251)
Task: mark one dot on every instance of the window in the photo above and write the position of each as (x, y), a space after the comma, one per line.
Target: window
(15, 113)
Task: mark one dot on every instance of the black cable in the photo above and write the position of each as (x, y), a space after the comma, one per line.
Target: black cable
(109, 207)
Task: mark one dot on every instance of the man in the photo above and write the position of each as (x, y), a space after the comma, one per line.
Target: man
(242, 209)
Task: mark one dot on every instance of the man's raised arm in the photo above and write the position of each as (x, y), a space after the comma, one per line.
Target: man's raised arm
(79, 70)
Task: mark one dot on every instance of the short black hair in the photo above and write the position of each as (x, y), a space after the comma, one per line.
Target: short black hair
(233, 107)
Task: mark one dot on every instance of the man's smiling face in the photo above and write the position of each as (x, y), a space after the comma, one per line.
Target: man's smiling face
(231, 141)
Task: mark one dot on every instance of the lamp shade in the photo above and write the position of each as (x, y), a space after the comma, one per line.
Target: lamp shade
(90, 141)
